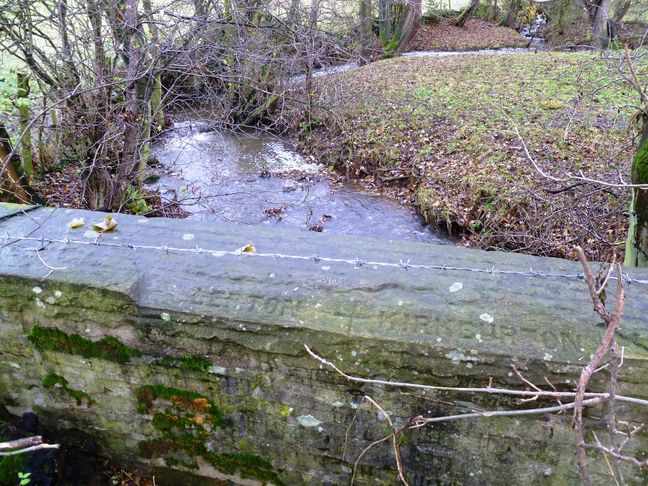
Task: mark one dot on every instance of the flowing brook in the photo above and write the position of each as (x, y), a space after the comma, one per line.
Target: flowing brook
(255, 178)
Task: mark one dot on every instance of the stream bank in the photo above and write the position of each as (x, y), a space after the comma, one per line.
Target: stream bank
(439, 133)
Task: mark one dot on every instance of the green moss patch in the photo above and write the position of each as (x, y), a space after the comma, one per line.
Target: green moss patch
(187, 362)
(108, 348)
(53, 381)
(245, 465)
(182, 400)
(186, 422)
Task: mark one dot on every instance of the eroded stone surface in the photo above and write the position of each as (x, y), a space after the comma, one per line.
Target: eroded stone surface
(195, 363)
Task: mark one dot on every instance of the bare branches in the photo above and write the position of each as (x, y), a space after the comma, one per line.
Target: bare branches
(611, 452)
(421, 421)
(393, 436)
(568, 177)
(486, 390)
(636, 84)
(23, 446)
(612, 320)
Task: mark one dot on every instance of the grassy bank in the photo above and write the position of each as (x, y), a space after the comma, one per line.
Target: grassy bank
(439, 134)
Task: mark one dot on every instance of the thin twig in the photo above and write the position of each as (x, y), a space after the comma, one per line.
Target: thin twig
(421, 421)
(394, 436)
(495, 391)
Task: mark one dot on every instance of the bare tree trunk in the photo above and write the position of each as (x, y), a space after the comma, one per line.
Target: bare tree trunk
(134, 114)
(70, 73)
(293, 13)
(637, 242)
(26, 150)
(365, 26)
(410, 25)
(493, 10)
(511, 15)
(13, 184)
(467, 13)
(621, 10)
(598, 14)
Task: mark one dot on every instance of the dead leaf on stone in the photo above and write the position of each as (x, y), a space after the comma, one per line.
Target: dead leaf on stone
(108, 224)
(76, 223)
(249, 248)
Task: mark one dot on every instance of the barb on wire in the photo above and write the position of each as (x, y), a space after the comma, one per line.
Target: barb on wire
(355, 262)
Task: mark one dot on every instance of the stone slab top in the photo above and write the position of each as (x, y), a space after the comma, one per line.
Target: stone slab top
(463, 303)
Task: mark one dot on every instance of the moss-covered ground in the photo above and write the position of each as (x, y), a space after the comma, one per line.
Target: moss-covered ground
(440, 133)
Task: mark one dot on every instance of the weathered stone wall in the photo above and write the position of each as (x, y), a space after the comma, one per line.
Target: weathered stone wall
(187, 362)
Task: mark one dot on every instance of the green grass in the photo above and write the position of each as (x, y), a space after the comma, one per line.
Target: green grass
(451, 122)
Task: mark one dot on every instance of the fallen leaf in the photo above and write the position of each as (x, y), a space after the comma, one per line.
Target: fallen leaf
(108, 224)
(249, 248)
(76, 223)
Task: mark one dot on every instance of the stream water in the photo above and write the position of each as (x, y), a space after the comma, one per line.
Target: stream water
(255, 178)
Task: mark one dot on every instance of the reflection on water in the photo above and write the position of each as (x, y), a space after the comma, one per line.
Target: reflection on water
(252, 179)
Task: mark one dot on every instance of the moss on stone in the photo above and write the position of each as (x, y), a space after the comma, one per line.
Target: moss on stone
(184, 400)
(184, 433)
(187, 362)
(57, 381)
(245, 465)
(108, 348)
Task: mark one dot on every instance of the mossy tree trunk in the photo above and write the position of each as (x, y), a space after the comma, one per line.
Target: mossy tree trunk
(637, 242)
(156, 96)
(135, 107)
(467, 13)
(24, 119)
(411, 24)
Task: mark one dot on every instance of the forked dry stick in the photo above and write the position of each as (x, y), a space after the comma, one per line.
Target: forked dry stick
(611, 320)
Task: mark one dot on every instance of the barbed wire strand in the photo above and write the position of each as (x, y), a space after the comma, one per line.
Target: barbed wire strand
(355, 262)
